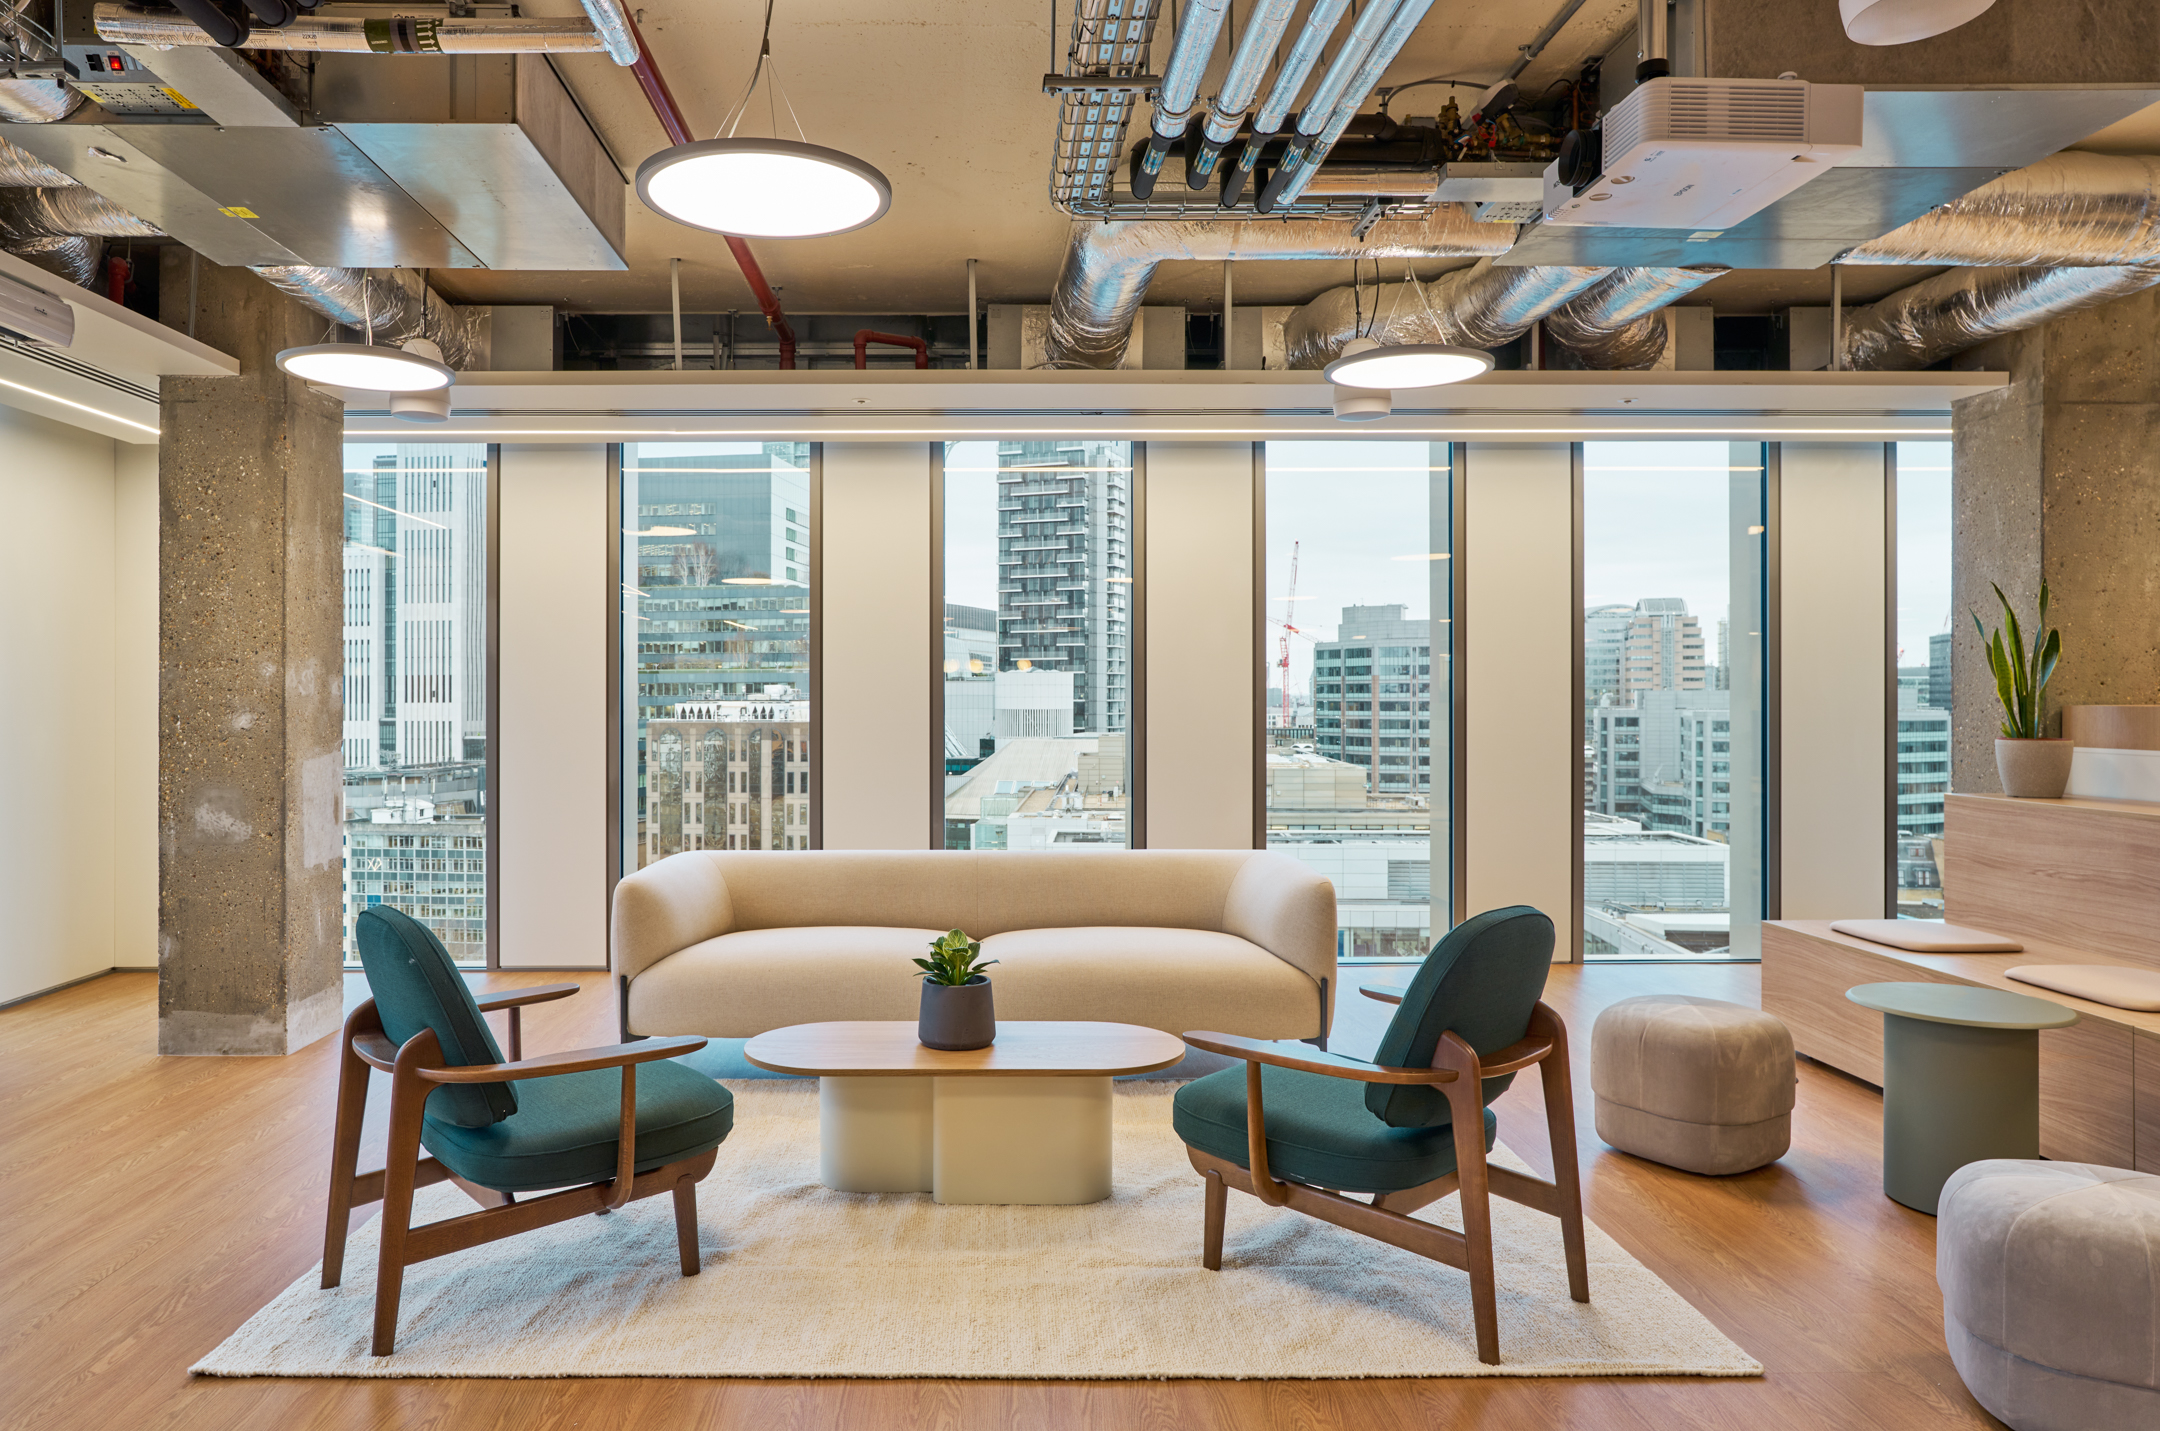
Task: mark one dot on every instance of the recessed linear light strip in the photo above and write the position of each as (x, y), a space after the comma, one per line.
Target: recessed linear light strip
(1706, 433)
(79, 406)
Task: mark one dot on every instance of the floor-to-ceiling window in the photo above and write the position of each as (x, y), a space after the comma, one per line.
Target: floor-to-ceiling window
(1360, 543)
(1037, 667)
(1922, 739)
(716, 645)
(1672, 696)
(415, 738)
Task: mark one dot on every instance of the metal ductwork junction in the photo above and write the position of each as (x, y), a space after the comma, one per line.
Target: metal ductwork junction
(1108, 267)
(1482, 306)
(1618, 324)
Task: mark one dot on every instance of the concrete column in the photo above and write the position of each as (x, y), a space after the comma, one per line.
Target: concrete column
(250, 688)
(2058, 476)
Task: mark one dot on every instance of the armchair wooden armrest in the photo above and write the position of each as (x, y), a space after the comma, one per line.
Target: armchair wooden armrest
(577, 1060)
(514, 1000)
(1385, 993)
(1311, 1060)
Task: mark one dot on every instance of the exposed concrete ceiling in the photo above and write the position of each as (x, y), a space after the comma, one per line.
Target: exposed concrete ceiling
(945, 99)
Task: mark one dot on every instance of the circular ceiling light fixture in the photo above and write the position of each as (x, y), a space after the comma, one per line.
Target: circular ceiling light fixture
(763, 188)
(415, 368)
(1367, 364)
(1900, 22)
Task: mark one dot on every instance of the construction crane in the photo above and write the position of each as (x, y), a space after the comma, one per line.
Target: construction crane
(1282, 659)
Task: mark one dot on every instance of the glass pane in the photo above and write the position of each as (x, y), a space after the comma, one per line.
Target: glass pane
(716, 638)
(1673, 538)
(416, 660)
(1923, 662)
(1359, 610)
(1038, 643)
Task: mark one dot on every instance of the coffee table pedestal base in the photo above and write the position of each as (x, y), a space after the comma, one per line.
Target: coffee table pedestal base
(967, 1139)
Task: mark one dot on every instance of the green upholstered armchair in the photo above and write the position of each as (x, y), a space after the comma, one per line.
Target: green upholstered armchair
(587, 1122)
(1299, 1128)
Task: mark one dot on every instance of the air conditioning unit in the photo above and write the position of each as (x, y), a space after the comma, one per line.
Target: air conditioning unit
(1702, 154)
(33, 315)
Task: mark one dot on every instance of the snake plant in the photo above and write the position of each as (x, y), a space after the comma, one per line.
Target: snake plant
(954, 959)
(2021, 672)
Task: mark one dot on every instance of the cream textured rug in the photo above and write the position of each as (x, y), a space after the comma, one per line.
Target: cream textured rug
(801, 1281)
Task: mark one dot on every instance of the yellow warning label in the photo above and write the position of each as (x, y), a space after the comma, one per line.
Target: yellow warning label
(237, 212)
(180, 99)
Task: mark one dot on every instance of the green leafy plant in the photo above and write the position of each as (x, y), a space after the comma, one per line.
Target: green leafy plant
(2021, 672)
(954, 959)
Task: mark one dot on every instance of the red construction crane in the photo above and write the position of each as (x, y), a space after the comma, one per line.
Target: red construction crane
(1282, 660)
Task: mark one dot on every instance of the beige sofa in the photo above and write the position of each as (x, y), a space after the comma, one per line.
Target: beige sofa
(731, 944)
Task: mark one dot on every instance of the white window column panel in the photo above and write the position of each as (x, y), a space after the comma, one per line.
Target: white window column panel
(874, 671)
(1521, 718)
(1832, 672)
(550, 774)
(1201, 648)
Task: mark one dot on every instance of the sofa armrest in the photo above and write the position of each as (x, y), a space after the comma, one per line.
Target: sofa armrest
(1289, 910)
(680, 901)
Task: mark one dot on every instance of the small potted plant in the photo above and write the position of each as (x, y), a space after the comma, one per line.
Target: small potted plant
(956, 1010)
(2032, 766)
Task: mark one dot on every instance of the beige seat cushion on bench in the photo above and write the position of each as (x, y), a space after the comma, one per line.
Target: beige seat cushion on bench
(1171, 979)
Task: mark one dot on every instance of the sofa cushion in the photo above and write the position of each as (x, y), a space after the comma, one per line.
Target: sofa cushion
(1168, 979)
(744, 984)
(566, 1128)
(1319, 1131)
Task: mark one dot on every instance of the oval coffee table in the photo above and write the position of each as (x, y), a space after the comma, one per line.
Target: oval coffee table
(1961, 1080)
(1026, 1120)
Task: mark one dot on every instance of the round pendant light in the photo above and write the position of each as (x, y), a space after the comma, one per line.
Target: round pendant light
(1367, 364)
(415, 368)
(763, 188)
(1900, 22)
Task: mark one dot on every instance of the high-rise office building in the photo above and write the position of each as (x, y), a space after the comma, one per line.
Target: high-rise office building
(1372, 697)
(1064, 537)
(1663, 650)
(1605, 631)
(1938, 686)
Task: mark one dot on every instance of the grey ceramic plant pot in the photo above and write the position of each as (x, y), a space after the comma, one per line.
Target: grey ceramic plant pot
(957, 1016)
(2034, 769)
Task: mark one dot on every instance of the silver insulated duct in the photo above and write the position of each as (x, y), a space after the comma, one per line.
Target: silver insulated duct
(1482, 306)
(1618, 325)
(32, 99)
(1108, 267)
(2080, 209)
(355, 298)
(1919, 326)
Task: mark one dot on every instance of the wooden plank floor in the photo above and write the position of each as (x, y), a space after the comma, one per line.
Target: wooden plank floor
(152, 1205)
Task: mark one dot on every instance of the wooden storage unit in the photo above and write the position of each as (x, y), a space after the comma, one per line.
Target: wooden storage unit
(2099, 1078)
(2076, 874)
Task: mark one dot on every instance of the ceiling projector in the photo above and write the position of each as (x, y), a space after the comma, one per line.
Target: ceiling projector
(34, 315)
(1685, 153)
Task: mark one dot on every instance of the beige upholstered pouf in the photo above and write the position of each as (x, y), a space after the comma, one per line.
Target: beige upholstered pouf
(1693, 1083)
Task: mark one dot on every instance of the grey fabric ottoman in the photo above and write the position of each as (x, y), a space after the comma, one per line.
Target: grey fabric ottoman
(2050, 1275)
(1698, 1084)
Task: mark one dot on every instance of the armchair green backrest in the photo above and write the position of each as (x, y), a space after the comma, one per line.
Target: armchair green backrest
(417, 986)
(1482, 981)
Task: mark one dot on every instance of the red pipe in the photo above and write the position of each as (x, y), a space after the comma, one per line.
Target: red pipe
(864, 338)
(671, 119)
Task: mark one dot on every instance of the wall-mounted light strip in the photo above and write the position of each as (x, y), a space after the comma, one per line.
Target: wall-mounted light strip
(1711, 427)
(79, 406)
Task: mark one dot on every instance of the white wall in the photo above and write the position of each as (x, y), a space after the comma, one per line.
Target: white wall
(1521, 721)
(1201, 649)
(551, 765)
(1831, 851)
(135, 707)
(873, 674)
(57, 705)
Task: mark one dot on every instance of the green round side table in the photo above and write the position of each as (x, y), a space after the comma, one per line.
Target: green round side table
(1961, 1080)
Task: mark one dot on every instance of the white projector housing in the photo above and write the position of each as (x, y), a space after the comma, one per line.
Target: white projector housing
(35, 315)
(1684, 153)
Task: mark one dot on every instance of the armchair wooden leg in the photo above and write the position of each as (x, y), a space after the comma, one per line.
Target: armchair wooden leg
(1477, 1234)
(407, 1096)
(1218, 1203)
(352, 1094)
(686, 1241)
(1567, 1173)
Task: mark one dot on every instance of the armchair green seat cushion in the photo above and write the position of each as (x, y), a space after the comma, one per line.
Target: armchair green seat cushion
(1319, 1131)
(564, 1131)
